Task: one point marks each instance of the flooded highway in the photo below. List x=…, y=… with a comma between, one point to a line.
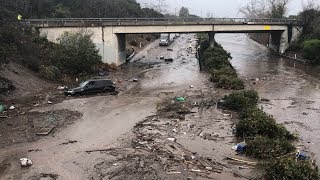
x=107, y=121
x=291, y=86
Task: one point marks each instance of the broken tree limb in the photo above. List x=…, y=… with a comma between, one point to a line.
x=240, y=160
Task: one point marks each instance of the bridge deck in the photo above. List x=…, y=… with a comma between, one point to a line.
x=89, y=22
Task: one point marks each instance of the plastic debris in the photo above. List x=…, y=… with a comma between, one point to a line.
x=1, y=108
x=25, y=162
x=191, y=86
x=168, y=60
x=181, y=99
x=62, y=88
x=12, y=107
x=239, y=147
x=49, y=102
x=301, y=155
x=171, y=139
x=135, y=80
x=190, y=125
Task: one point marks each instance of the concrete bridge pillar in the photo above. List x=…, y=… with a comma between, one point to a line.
x=280, y=41
x=111, y=46
x=114, y=47
x=211, y=39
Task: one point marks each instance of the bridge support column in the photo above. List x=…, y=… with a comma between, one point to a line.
x=211, y=39
x=279, y=41
x=114, y=47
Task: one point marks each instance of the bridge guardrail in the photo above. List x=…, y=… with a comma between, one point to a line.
x=156, y=21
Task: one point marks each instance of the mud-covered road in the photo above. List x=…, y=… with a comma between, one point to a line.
x=109, y=123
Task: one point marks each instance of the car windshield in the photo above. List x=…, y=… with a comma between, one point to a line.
x=83, y=84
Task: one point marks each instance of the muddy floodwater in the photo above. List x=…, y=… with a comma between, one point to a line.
x=109, y=123
x=292, y=87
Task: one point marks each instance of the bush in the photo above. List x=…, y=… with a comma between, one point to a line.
x=311, y=51
x=240, y=100
x=76, y=54
x=217, y=74
x=215, y=58
x=259, y=123
x=50, y=72
x=230, y=82
x=265, y=148
x=5, y=85
x=290, y=168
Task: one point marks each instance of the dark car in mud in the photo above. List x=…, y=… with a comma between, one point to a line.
x=92, y=87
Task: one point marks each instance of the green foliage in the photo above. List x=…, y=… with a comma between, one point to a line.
x=216, y=61
x=230, y=82
x=259, y=123
x=76, y=9
x=311, y=51
x=227, y=78
x=184, y=12
x=241, y=100
x=76, y=54
x=290, y=168
x=217, y=74
x=216, y=58
x=310, y=19
x=265, y=148
x=60, y=11
x=50, y=72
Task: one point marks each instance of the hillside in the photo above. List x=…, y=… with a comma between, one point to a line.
x=22, y=47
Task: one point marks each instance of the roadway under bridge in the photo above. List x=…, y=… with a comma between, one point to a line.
x=109, y=34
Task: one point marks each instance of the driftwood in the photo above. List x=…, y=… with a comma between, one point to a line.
x=240, y=160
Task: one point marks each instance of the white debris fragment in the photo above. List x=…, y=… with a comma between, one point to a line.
x=171, y=139
x=25, y=162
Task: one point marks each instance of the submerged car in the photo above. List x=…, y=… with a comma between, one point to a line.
x=92, y=87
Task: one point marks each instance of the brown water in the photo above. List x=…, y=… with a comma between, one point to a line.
x=108, y=118
x=292, y=87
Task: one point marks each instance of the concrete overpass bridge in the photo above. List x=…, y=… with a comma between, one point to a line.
x=109, y=33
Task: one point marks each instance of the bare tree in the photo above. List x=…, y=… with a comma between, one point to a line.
x=310, y=4
x=265, y=9
x=255, y=9
x=278, y=8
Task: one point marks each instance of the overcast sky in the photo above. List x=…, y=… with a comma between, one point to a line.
x=220, y=8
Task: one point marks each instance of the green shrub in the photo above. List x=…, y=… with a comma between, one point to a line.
x=230, y=82
x=259, y=123
x=241, y=100
x=290, y=169
x=266, y=148
x=76, y=54
x=50, y=72
x=311, y=51
x=215, y=58
x=217, y=74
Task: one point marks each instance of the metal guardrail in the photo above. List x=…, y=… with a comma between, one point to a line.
x=156, y=21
